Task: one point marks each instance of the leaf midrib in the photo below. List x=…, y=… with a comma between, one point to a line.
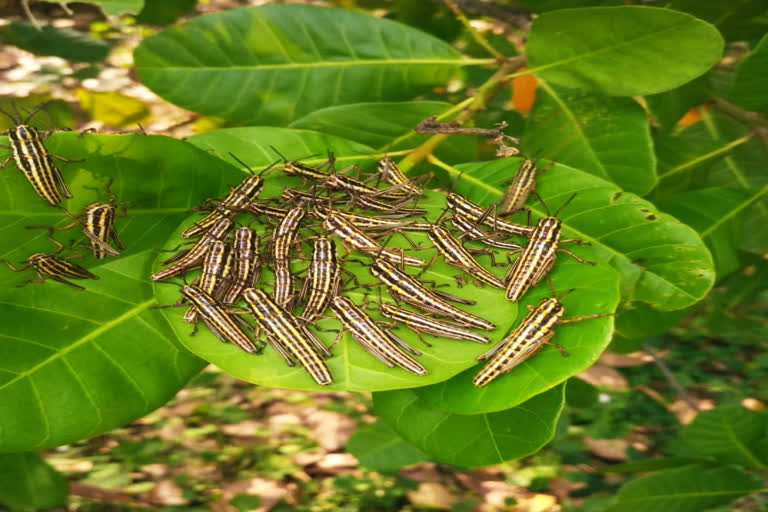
x=320, y=64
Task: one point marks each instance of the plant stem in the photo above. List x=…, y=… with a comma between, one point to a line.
x=671, y=378
x=477, y=36
x=477, y=102
x=707, y=156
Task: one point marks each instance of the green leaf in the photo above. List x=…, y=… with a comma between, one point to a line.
x=48, y=40
x=607, y=137
x=750, y=84
x=165, y=12
x=379, y=448
x=110, y=7
x=472, y=440
x=28, y=483
x=640, y=321
x=738, y=20
x=716, y=214
x=621, y=51
x=388, y=126
x=661, y=261
x=74, y=364
x=352, y=367
x=579, y=393
x=595, y=292
x=112, y=108
x=727, y=434
x=277, y=63
x=721, y=152
x=687, y=489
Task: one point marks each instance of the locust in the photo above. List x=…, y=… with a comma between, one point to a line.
x=33, y=159
x=456, y=255
x=246, y=264
x=323, y=279
x=365, y=222
x=212, y=278
x=470, y=229
x=238, y=200
x=391, y=173
x=288, y=336
x=379, y=342
x=284, y=234
x=52, y=266
x=405, y=288
x=275, y=212
x=356, y=239
x=192, y=257
x=462, y=206
x=421, y=323
x=534, y=331
x=218, y=320
x=283, y=291
x=519, y=189
x=391, y=209
x=538, y=257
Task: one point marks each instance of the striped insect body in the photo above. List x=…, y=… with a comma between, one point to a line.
x=238, y=200
x=323, y=279
x=455, y=254
x=246, y=264
x=421, y=323
x=193, y=257
x=288, y=336
x=462, y=206
x=211, y=280
x=392, y=174
x=379, y=342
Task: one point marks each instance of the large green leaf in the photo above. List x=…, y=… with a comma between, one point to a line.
x=378, y=447
x=669, y=107
x=472, y=440
x=687, y=489
x=716, y=214
x=387, y=126
x=728, y=434
x=596, y=291
x=751, y=82
x=661, y=261
x=75, y=364
x=607, y=137
x=28, y=483
x=67, y=44
x=621, y=51
x=720, y=152
x=274, y=64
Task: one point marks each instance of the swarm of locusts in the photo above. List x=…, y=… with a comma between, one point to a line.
x=96, y=221
x=243, y=234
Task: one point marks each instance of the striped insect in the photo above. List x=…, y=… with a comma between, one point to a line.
x=284, y=291
x=274, y=212
x=238, y=200
x=246, y=264
x=421, y=323
x=282, y=239
x=519, y=189
x=462, y=206
x=534, y=331
x=54, y=267
x=406, y=288
x=193, y=257
x=365, y=222
x=323, y=279
x=97, y=221
x=456, y=255
x=352, y=237
x=391, y=173
x=33, y=159
x=396, y=208
x=212, y=280
x=471, y=230
x=538, y=257
x=218, y=320
x=288, y=336
x=379, y=342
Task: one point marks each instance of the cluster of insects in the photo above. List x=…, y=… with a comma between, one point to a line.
x=96, y=221
x=279, y=256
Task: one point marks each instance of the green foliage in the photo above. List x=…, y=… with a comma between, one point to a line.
x=67, y=44
x=474, y=439
x=687, y=489
x=378, y=447
x=110, y=7
x=274, y=64
x=619, y=51
x=28, y=483
x=750, y=82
